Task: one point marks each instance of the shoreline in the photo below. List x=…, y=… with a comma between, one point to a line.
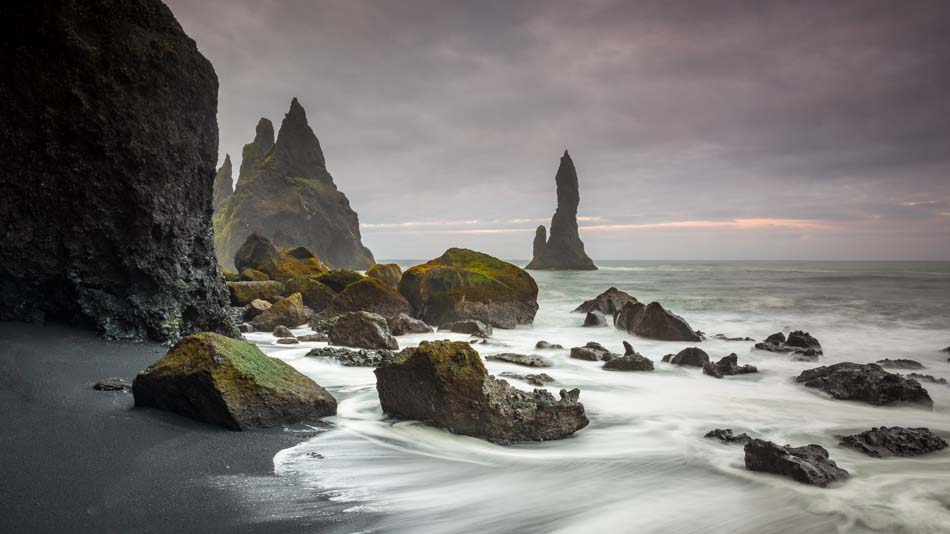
x=80, y=460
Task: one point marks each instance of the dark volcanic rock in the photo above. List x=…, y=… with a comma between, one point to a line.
x=726, y=366
x=928, y=378
x=592, y=352
x=388, y=273
x=255, y=308
x=629, y=362
x=288, y=195
x=564, y=249
x=464, y=284
x=806, y=347
x=895, y=441
x=364, y=330
x=230, y=383
x=654, y=322
x=254, y=151
x=223, y=184
x=867, y=383
x=109, y=144
x=539, y=379
x=725, y=435
x=608, y=303
x=545, y=345
x=692, y=356
x=258, y=253
x=528, y=360
x=900, y=363
x=113, y=384
x=352, y=358
x=445, y=383
x=471, y=327
x=595, y=318
x=777, y=338
x=402, y=324
x=803, y=341
x=809, y=464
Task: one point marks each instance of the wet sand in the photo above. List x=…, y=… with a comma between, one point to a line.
x=79, y=460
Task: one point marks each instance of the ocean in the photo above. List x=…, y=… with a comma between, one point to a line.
x=642, y=465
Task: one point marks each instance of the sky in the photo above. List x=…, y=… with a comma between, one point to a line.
x=807, y=130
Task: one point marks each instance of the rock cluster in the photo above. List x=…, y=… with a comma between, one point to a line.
x=446, y=384
x=725, y=435
x=564, y=249
x=895, y=441
x=727, y=366
x=866, y=383
x=285, y=192
x=109, y=144
x=805, y=347
x=230, y=383
x=809, y=464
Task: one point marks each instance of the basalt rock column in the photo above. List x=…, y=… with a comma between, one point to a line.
x=564, y=250
x=223, y=186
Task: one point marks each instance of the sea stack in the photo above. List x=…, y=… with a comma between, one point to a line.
x=110, y=138
x=285, y=193
x=223, y=185
x=564, y=250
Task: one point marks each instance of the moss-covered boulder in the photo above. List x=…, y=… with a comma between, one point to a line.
x=231, y=383
x=229, y=275
x=388, y=273
x=362, y=330
x=257, y=252
x=445, y=383
x=315, y=295
x=371, y=295
x=464, y=284
x=242, y=293
x=259, y=255
x=338, y=279
x=288, y=312
x=253, y=275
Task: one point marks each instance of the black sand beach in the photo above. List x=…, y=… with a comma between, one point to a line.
x=79, y=460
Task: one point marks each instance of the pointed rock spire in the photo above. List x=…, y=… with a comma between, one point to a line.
x=223, y=184
x=254, y=151
x=564, y=250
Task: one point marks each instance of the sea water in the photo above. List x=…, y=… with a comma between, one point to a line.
x=642, y=465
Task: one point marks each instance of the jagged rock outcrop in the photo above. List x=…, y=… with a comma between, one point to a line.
x=259, y=254
x=725, y=435
x=865, y=382
x=109, y=143
x=654, y=322
x=527, y=360
x=630, y=361
x=223, y=184
x=445, y=383
x=253, y=152
x=564, y=250
x=809, y=464
x=608, y=303
x=881, y=442
x=728, y=366
x=230, y=383
x=287, y=195
x=350, y=357
x=464, y=284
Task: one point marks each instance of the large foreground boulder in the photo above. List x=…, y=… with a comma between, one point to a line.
x=608, y=303
x=866, y=383
x=809, y=464
x=230, y=383
x=653, y=322
x=109, y=144
x=464, y=284
x=445, y=383
x=895, y=441
x=363, y=330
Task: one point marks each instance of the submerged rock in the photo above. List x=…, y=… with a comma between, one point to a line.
x=545, y=345
x=723, y=337
x=388, y=273
x=113, y=384
x=287, y=341
x=287, y=311
x=692, y=356
x=463, y=284
x=230, y=383
x=654, y=322
x=446, y=384
x=725, y=435
x=809, y=464
x=471, y=327
x=352, y=358
x=403, y=324
x=110, y=140
x=564, y=250
x=608, y=303
x=528, y=360
x=900, y=363
x=364, y=330
x=595, y=318
x=866, y=383
x=895, y=441
x=539, y=379
x=287, y=195
x=727, y=366
x=928, y=378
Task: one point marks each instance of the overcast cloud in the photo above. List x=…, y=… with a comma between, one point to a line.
x=700, y=130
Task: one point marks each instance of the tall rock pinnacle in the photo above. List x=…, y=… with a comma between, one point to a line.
x=223, y=185
x=286, y=194
x=564, y=249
